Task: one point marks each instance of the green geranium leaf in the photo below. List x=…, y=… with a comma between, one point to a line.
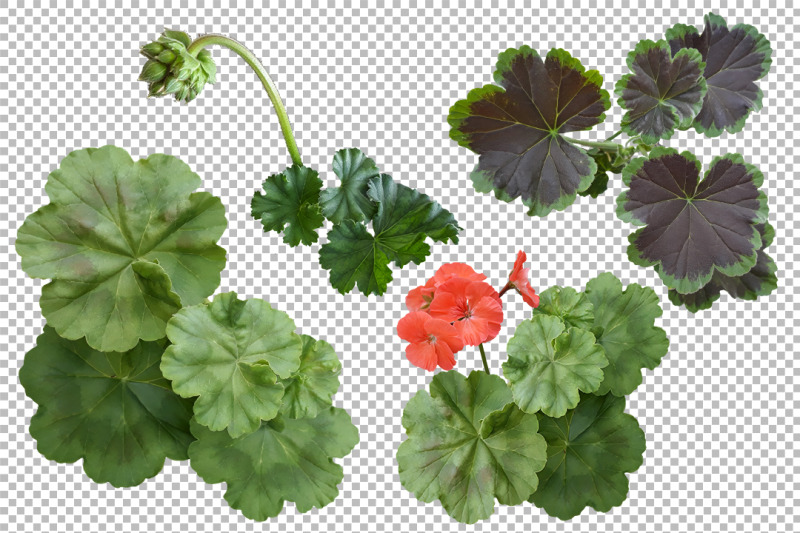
x=686, y=217
x=662, y=92
x=516, y=126
x=230, y=354
x=469, y=444
x=310, y=388
x=599, y=185
x=629, y=337
x=571, y=306
x=758, y=281
x=113, y=410
x=291, y=200
x=403, y=220
x=734, y=59
x=589, y=450
x=547, y=366
x=125, y=244
x=284, y=459
x=349, y=201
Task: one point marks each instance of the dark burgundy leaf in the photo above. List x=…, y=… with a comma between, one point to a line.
x=516, y=128
x=693, y=228
x=735, y=59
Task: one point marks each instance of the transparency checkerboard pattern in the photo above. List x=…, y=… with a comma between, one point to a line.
x=719, y=413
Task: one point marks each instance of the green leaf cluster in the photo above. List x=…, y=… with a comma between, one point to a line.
x=401, y=220
x=135, y=366
x=556, y=433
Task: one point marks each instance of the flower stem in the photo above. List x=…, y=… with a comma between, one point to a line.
x=613, y=136
x=237, y=47
x=504, y=290
x=483, y=356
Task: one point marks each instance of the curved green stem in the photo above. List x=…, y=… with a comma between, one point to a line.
x=614, y=136
x=483, y=356
x=237, y=47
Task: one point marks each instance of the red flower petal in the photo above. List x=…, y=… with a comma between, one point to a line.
x=444, y=333
x=411, y=327
x=419, y=299
x=445, y=356
x=519, y=280
x=454, y=270
x=423, y=355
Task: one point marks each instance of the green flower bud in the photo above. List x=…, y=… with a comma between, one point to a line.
x=171, y=69
x=152, y=50
x=166, y=57
x=153, y=71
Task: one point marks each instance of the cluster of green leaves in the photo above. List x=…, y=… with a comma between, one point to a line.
x=556, y=433
x=706, y=81
x=402, y=219
x=135, y=365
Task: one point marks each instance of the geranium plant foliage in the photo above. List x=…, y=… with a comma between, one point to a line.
x=705, y=80
x=554, y=432
x=136, y=365
x=376, y=221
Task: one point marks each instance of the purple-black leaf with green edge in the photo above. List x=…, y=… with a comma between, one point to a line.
x=662, y=93
x=758, y=281
x=404, y=219
x=735, y=59
x=125, y=244
x=589, y=451
x=516, y=126
x=113, y=410
x=693, y=228
x=290, y=204
x=349, y=201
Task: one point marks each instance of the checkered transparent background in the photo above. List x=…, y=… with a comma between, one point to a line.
x=719, y=413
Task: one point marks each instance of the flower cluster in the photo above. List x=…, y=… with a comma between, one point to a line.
x=457, y=308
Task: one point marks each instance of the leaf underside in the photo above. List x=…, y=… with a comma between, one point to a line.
x=735, y=59
x=589, y=451
x=125, y=243
x=468, y=444
x=113, y=410
x=693, y=228
x=516, y=128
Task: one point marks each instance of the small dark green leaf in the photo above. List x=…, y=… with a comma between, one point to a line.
x=353, y=258
x=349, y=201
x=291, y=200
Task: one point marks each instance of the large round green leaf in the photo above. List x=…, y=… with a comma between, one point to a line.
x=113, y=410
x=125, y=243
x=625, y=325
x=589, y=450
x=284, y=459
x=571, y=306
x=469, y=444
x=310, y=389
x=230, y=354
x=548, y=366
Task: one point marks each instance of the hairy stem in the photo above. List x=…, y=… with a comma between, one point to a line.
x=605, y=146
x=483, y=356
x=237, y=47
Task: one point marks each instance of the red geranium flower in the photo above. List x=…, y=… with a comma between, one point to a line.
x=518, y=279
x=419, y=299
x=473, y=307
x=433, y=341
